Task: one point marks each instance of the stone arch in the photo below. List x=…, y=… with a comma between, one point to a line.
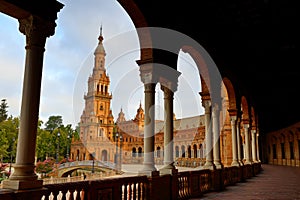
x=176, y=151
x=253, y=119
x=291, y=136
x=202, y=67
x=229, y=109
x=230, y=93
x=183, y=151
x=210, y=76
x=245, y=110
x=189, y=151
x=195, y=150
x=158, y=151
x=133, y=152
x=140, y=152
x=104, y=155
x=139, y=21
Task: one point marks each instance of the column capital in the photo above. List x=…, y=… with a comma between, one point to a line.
x=215, y=107
x=36, y=30
x=233, y=112
x=205, y=96
x=168, y=93
x=147, y=71
x=206, y=104
x=233, y=118
x=168, y=76
x=246, y=121
x=149, y=87
x=246, y=125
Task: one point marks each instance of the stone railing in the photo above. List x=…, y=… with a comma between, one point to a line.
x=183, y=185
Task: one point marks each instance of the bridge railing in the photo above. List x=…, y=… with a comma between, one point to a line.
x=96, y=163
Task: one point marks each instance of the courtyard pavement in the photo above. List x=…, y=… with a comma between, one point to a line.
x=273, y=183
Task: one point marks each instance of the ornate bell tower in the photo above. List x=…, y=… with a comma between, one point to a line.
x=96, y=122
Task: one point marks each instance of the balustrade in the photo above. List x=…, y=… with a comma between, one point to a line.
x=183, y=185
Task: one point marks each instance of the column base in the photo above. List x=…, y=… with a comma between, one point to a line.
x=248, y=162
x=218, y=165
x=209, y=165
x=235, y=163
x=21, y=184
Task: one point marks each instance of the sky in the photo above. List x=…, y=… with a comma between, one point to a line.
x=68, y=62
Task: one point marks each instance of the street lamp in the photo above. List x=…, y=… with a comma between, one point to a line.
x=120, y=155
x=57, y=150
x=68, y=138
x=116, y=155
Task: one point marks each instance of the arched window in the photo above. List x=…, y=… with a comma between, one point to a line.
x=176, y=151
x=134, y=152
x=158, y=152
x=77, y=154
x=104, y=155
x=189, y=151
x=140, y=153
x=183, y=151
x=195, y=150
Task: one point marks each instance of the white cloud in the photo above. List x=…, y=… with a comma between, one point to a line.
x=68, y=62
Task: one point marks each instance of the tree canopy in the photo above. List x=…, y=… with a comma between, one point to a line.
x=3, y=110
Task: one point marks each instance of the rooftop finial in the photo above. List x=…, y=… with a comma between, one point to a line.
x=100, y=38
x=101, y=30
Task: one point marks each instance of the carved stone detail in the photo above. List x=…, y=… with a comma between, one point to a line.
x=168, y=93
x=36, y=30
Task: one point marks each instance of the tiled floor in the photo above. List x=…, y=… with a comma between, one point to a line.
x=273, y=183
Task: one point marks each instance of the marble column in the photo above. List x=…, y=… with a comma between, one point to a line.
x=234, y=141
x=247, y=144
x=208, y=136
x=253, y=141
x=216, y=136
x=238, y=142
x=149, y=130
x=36, y=31
x=257, y=147
x=168, y=167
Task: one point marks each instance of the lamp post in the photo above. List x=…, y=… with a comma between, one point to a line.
x=57, y=150
x=68, y=142
x=120, y=155
x=116, y=155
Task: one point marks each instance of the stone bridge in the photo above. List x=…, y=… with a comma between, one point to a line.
x=69, y=167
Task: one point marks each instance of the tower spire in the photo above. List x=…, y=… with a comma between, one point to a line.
x=100, y=38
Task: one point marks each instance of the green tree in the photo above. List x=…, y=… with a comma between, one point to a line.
x=53, y=123
x=48, y=141
x=8, y=138
x=45, y=145
x=3, y=110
